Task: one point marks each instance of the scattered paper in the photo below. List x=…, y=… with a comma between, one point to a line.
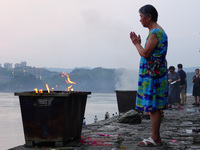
x=173, y=82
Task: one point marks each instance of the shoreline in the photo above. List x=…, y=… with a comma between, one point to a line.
x=180, y=129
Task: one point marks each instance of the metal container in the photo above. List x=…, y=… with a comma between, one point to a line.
x=126, y=100
x=52, y=118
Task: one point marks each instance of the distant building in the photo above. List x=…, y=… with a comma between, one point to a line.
x=8, y=65
x=23, y=64
x=17, y=65
x=0, y=66
x=20, y=65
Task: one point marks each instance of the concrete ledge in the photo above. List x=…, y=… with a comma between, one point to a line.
x=177, y=132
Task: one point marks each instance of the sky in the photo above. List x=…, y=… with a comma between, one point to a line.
x=93, y=33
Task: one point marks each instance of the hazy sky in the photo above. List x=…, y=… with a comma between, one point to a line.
x=93, y=33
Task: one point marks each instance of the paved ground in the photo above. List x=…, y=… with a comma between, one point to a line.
x=180, y=130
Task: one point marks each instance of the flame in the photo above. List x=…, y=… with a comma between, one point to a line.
x=36, y=90
x=47, y=88
x=69, y=88
x=68, y=81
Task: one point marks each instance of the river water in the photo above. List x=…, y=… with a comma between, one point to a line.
x=11, y=128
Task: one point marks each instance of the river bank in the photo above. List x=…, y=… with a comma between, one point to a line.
x=180, y=129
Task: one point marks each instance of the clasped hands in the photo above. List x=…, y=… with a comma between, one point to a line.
x=135, y=38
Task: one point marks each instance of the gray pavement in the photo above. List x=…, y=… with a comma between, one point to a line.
x=180, y=130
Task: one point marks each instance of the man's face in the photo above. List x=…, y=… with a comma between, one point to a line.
x=197, y=72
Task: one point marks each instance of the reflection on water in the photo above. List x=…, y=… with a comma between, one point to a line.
x=11, y=129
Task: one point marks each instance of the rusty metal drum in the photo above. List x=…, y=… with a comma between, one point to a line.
x=52, y=118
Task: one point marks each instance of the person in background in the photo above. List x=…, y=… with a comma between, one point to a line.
x=95, y=119
x=116, y=114
x=152, y=92
x=183, y=81
x=107, y=115
x=84, y=121
x=196, y=87
x=174, y=87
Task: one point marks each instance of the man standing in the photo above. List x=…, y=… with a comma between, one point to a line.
x=183, y=82
x=95, y=119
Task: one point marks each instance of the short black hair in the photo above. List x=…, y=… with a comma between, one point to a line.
x=171, y=68
x=180, y=66
x=149, y=10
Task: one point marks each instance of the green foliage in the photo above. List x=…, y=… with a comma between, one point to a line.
x=19, y=81
x=97, y=79
x=94, y=80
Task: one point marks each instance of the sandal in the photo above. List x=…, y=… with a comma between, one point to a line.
x=148, y=143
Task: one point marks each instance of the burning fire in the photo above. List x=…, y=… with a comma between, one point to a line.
x=67, y=80
x=47, y=88
x=36, y=90
x=40, y=91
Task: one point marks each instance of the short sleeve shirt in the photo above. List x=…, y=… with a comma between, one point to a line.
x=182, y=75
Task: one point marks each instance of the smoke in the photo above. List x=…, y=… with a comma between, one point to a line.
x=126, y=79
